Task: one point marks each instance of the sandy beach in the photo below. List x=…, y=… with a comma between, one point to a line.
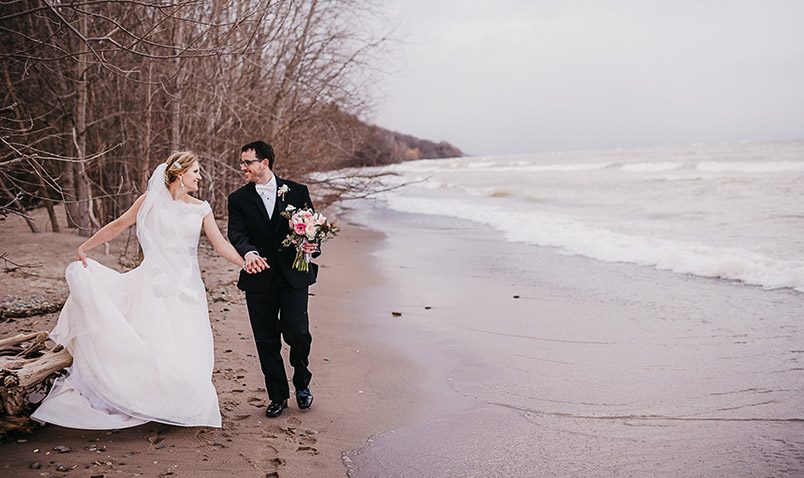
x=441, y=351
x=569, y=243
x=362, y=386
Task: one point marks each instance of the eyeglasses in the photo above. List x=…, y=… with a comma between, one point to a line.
x=249, y=162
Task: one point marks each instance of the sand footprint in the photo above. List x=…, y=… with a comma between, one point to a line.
x=264, y=459
x=291, y=425
x=304, y=440
x=256, y=402
x=292, y=422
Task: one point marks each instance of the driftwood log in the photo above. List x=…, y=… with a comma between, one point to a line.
x=39, y=306
x=26, y=366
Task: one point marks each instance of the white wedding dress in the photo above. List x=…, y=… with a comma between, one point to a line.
x=141, y=341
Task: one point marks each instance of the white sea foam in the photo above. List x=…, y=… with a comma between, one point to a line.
x=572, y=167
x=576, y=237
x=653, y=167
x=710, y=210
x=490, y=166
x=751, y=167
x=479, y=164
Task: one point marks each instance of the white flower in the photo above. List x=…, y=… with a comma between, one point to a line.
x=282, y=191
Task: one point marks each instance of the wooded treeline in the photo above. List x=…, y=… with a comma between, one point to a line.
x=380, y=146
x=97, y=92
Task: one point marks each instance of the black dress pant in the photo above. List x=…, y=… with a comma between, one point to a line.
x=281, y=313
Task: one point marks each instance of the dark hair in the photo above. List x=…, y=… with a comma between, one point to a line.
x=262, y=150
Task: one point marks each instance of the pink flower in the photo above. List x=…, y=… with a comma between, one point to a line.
x=300, y=228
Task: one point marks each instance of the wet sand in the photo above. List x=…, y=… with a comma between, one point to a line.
x=541, y=364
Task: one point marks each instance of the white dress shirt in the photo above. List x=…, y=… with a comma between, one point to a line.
x=267, y=192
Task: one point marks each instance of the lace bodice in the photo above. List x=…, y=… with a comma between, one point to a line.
x=186, y=220
x=173, y=261
x=168, y=231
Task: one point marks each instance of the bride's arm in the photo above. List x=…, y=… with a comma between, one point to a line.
x=110, y=231
x=221, y=245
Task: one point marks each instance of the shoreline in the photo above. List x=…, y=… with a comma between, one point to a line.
x=439, y=350
x=568, y=365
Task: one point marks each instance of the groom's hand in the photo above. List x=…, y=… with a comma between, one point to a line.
x=255, y=263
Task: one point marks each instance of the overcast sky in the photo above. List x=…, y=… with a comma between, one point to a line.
x=520, y=76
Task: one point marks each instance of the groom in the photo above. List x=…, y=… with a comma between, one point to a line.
x=276, y=294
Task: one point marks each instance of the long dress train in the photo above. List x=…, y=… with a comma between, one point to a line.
x=141, y=341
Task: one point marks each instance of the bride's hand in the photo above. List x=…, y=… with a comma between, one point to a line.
x=82, y=256
x=254, y=263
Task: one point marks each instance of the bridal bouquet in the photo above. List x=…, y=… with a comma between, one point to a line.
x=306, y=226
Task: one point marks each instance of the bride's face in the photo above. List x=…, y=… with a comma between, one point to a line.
x=191, y=178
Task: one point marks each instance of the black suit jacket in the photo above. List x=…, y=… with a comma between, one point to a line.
x=251, y=229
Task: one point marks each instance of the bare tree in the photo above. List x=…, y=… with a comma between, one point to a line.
x=107, y=88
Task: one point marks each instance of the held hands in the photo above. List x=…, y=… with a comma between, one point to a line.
x=254, y=263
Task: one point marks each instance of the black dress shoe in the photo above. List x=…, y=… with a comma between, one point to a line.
x=276, y=407
x=304, y=398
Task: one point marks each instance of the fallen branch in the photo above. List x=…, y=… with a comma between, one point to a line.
x=26, y=366
x=14, y=345
x=14, y=266
x=16, y=310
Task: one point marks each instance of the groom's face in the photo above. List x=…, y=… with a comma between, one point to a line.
x=254, y=169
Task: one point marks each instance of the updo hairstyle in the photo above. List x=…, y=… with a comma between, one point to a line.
x=177, y=164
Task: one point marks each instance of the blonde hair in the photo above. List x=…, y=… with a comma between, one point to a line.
x=177, y=164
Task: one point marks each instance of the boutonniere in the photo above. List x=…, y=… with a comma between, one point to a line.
x=282, y=191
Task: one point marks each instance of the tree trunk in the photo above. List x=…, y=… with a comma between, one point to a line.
x=80, y=138
x=68, y=194
x=146, y=137
x=51, y=211
x=175, y=112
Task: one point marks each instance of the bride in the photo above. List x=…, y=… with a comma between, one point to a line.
x=141, y=341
